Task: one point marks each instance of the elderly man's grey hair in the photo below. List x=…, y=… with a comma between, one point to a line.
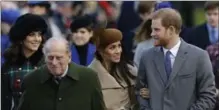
x=52, y=40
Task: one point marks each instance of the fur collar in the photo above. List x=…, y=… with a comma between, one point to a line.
x=34, y=59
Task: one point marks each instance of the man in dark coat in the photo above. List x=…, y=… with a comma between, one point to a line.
x=208, y=33
x=60, y=84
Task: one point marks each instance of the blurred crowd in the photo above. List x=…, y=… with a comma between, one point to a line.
x=79, y=22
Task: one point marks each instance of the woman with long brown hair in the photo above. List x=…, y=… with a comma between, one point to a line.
x=116, y=73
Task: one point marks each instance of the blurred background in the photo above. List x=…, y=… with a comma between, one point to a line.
x=132, y=18
x=124, y=15
x=112, y=11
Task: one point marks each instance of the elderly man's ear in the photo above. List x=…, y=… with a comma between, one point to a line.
x=144, y=92
x=69, y=57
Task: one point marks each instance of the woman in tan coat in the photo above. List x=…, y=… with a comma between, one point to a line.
x=116, y=74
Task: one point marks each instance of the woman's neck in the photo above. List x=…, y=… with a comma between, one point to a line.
x=27, y=53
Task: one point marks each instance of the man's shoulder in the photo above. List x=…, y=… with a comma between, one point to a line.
x=195, y=51
x=83, y=71
x=34, y=76
x=35, y=73
x=150, y=52
x=200, y=27
x=86, y=75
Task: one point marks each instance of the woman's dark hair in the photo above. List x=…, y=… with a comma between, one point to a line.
x=122, y=68
x=12, y=53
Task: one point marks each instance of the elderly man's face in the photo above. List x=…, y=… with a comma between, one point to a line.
x=57, y=58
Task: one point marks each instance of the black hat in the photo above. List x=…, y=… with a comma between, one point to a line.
x=26, y=24
x=80, y=22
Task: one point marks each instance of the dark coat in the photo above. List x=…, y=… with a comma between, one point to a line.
x=79, y=90
x=12, y=71
x=199, y=36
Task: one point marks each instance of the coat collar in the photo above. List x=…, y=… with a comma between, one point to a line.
x=34, y=59
x=107, y=81
x=72, y=72
x=90, y=54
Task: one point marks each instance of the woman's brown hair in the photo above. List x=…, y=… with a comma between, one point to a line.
x=120, y=71
x=144, y=32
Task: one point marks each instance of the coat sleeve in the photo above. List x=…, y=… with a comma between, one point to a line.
x=97, y=102
x=206, y=90
x=142, y=83
x=23, y=103
x=6, y=92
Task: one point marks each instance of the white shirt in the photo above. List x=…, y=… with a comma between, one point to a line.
x=66, y=70
x=64, y=74
x=173, y=51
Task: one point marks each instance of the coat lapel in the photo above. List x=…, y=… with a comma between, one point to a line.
x=90, y=54
x=179, y=61
x=107, y=81
x=159, y=63
x=74, y=55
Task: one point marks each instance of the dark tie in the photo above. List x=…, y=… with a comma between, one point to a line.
x=57, y=79
x=167, y=63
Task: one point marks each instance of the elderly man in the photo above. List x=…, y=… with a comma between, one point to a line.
x=61, y=85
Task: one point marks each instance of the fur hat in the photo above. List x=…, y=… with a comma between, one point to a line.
x=26, y=24
x=103, y=37
x=81, y=22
